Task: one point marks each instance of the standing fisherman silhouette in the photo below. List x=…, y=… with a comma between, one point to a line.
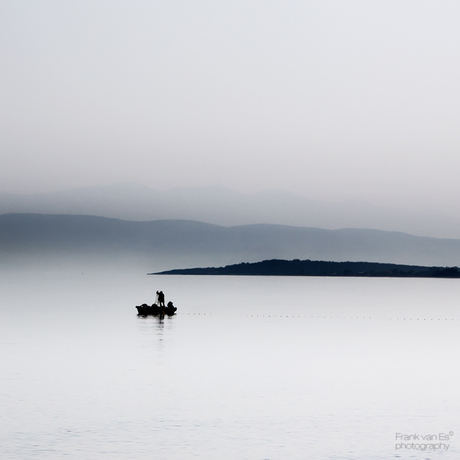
x=161, y=299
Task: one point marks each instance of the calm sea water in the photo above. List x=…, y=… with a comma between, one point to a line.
x=250, y=367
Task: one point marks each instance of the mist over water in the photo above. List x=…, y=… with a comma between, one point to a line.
x=250, y=367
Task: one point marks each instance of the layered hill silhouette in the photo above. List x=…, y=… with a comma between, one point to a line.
x=220, y=206
x=167, y=244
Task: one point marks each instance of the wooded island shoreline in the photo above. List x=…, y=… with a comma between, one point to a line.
x=296, y=267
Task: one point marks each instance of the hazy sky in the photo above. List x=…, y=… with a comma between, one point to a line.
x=329, y=99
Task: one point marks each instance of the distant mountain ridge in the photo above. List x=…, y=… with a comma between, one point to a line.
x=165, y=244
x=220, y=206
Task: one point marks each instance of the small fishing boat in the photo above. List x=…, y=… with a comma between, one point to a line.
x=155, y=309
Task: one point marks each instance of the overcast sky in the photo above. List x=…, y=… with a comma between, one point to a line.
x=329, y=99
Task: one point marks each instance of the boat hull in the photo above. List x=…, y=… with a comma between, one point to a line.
x=155, y=310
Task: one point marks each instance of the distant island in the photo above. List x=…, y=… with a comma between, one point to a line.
x=296, y=267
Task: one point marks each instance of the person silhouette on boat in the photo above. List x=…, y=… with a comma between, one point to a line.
x=161, y=299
